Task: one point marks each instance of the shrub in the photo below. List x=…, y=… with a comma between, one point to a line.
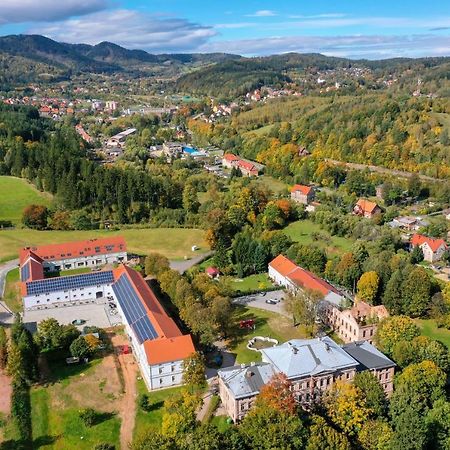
x=88, y=416
x=105, y=446
x=144, y=403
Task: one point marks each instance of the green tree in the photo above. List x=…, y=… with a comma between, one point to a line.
x=80, y=348
x=324, y=437
x=372, y=392
x=29, y=353
x=89, y=416
x=190, y=198
x=393, y=297
x=438, y=423
x=194, y=370
x=368, y=287
x=376, y=435
x=393, y=330
x=156, y=264
x=303, y=305
x=16, y=367
x=417, y=291
x=3, y=348
x=281, y=430
x=416, y=255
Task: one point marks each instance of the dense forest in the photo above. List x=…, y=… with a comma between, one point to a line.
x=398, y=133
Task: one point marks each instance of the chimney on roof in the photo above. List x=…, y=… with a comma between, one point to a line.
x=295, y=350
x=249, y=374
x=327, y=347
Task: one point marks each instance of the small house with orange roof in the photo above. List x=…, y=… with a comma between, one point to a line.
x=302, y=194
x=366, y=208
x=433, y=249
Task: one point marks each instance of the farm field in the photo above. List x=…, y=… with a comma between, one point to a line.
x=175, y=243
x=268, y=324
x=16, y=194
x=430, y=329
x=302, y=232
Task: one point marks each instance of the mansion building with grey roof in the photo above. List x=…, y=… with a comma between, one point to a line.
x=311, y=365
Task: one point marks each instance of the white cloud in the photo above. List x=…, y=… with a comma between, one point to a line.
x=131, y=29
x=371, y=47
x=263, y=13
x=19, y=11
x=235, y=25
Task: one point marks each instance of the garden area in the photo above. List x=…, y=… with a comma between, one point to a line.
x=430, y=329
x=12, y=296
x=252, y=283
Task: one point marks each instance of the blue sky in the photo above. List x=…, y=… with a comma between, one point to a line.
x=350, y=28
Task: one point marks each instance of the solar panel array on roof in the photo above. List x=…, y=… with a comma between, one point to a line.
x=70, y=282
x=134, y=310
x=25, y=272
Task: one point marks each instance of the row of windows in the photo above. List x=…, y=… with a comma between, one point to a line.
x=161, y=380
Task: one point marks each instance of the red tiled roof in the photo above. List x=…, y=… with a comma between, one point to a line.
x=366, y=205
x=230, y=157
x=434, y=244
x=212, y=271
x=302, y=188
x=307, y=280
x=159, y=351
x=68, y=250
x=246, y=165
x=282, y=265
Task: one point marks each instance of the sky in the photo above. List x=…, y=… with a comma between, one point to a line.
x=372, y=29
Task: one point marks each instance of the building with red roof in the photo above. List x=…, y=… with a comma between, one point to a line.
x=159, y=346
x=366, y=208
x=248, y=168
x=302, y=194
x=73, y=255
x=433, y=249
x=286, y=273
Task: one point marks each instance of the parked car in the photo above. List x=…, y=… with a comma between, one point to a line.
x=78, y=322
x=271, y=301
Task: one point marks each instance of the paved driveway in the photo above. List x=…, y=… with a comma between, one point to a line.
x=184, y=265
x=94, y=314
x=260, y=301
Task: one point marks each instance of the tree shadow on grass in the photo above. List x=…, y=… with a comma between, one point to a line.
x=101, y=417
x=42, y=441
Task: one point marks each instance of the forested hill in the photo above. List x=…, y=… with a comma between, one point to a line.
x=230, y=78
x=25, y=58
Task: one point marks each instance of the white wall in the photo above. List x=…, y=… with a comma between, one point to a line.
x=66, y=298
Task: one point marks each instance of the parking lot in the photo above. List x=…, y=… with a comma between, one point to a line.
x=94, y=314
x=263, y=301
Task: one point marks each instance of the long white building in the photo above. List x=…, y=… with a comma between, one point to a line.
x=158, y=345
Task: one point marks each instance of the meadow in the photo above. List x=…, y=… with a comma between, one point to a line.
x=15, y=195
x=175, y=243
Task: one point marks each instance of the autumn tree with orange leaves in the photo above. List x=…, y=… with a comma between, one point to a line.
x=277, y=394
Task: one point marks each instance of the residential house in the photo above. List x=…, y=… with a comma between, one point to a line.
x=248, y=168
x=119, y=139
x=432, y=249
x=312, y=366
x=358, y=323
x=302, y=194
x=366, y=208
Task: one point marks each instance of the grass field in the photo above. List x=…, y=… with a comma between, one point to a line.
x=12, y=296
x=430, y=329
x=302, y=231
x=16, y=194
x=251, y=283
x=153, y=418
x=276, y=186
x=55, y=407
x=175, y=243
x=268, y=324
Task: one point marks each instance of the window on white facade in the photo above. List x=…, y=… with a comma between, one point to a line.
x=160, y=381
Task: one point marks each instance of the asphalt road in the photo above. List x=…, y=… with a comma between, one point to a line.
x=260, y=301
x=184, y=265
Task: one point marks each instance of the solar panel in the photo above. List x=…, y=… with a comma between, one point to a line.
x=25, y=272
x=133, y=309
x=70, y=282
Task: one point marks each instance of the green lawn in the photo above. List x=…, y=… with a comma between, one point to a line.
x=175, y=243
x=16, y=194
x=152, y=419
x=256, y=282
x=221, y=422
x=55, y=407
x=430, y=329
x=302, y=231
x=276, y=186
x=12, y=296
x=268, y=324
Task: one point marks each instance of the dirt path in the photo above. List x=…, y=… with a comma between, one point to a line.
x=127, y=411
x=5, y=393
